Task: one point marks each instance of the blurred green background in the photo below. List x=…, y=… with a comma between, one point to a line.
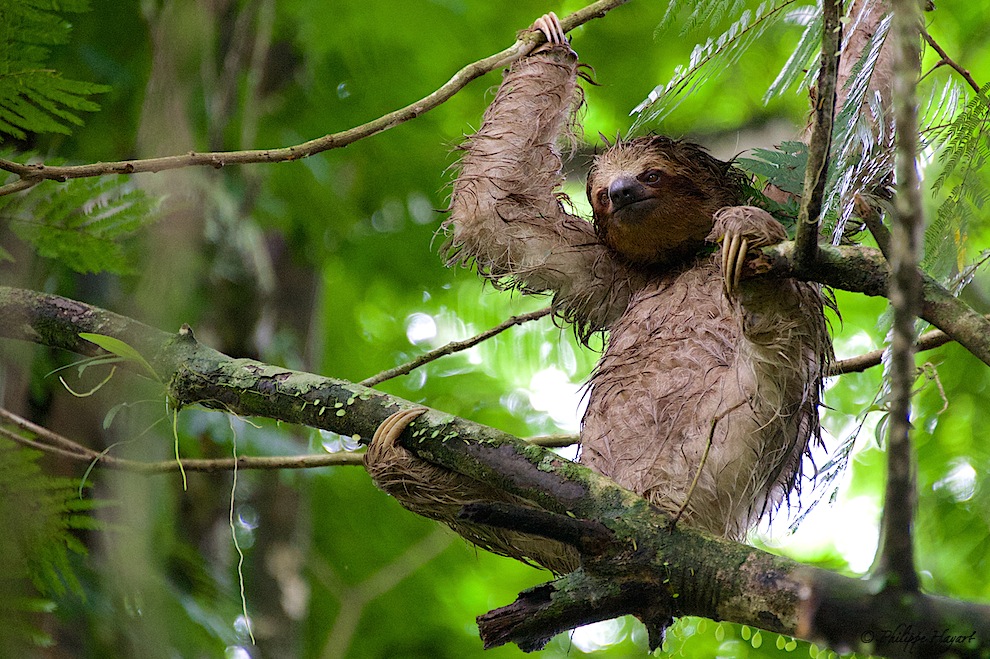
x=330, y=265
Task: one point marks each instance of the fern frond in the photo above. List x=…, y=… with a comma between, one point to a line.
x=963, y=150
x=34, y=98
x=862, y=144
x=783, y=167
x=86, y=224
x=39, y=515
x=706, y=59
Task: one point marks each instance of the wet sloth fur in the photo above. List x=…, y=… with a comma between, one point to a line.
x=710, y=377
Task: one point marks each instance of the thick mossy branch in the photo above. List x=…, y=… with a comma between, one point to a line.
x=865, y=270
x=195, y=374
x=640, y=565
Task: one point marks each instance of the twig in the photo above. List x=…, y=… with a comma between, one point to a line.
x=871, y=216
x=18, y=185
x=452, y=347
x=859, y=363
x=806, y=239
x=895, y=556
x=948, y=61
x=38, y=172
x=51, y=442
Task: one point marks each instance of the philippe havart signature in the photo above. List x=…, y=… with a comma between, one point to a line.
x=909, y=636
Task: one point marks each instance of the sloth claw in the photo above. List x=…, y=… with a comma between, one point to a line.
x=734, y=248
x=392, y=427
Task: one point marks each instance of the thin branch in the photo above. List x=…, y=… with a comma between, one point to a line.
x=18, y=186
x=860, y=363
x=895, y=556
x=38, y=172
x=452, y=347
x=806, y=239
x=873, y=219
x=53, y=443
x=948, y=61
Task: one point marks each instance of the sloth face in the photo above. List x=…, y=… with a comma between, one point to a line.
x=653, y=198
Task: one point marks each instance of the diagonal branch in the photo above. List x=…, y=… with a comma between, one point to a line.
x=454, y=346
x=33, y=173
x=820, y=143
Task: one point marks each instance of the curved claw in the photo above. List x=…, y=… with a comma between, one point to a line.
x=392, y=427
x=551, y=28
x=734, y=249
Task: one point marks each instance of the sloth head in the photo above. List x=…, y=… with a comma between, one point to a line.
x=653, y=197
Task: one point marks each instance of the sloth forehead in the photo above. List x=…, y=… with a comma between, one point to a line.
x=630, y=160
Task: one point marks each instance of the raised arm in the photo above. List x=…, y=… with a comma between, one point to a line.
x=506, y=211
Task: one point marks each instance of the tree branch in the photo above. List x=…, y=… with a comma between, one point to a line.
x=33, y=173
x=927, y=341
x=820, y=143
x=948, y=61
x=454, y=346
x=641, y=562
x=865, y=270
x=895, y=555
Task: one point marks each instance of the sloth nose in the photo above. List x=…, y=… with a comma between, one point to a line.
x=625, y=190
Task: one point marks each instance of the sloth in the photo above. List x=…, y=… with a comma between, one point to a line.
x=706, y=396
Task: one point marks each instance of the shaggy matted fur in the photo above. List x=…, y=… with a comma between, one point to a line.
x=707, y=382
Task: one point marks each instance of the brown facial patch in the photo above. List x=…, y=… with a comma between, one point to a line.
x=670, y=213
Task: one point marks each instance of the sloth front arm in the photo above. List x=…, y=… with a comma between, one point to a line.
x=507, y=213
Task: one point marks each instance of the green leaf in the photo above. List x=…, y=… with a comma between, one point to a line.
x=119, y=348
x=783, y=167
x=39, y=514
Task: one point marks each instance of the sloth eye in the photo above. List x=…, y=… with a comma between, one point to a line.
x=603, y=198
x=652, y=176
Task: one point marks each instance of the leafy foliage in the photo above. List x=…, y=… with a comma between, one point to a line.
x=712, y=56
x=354, y=273
x=39, y=515
x=86, y=224
x=801, y=67
x=783, y=166
x=33, y=98
x=963, y=147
